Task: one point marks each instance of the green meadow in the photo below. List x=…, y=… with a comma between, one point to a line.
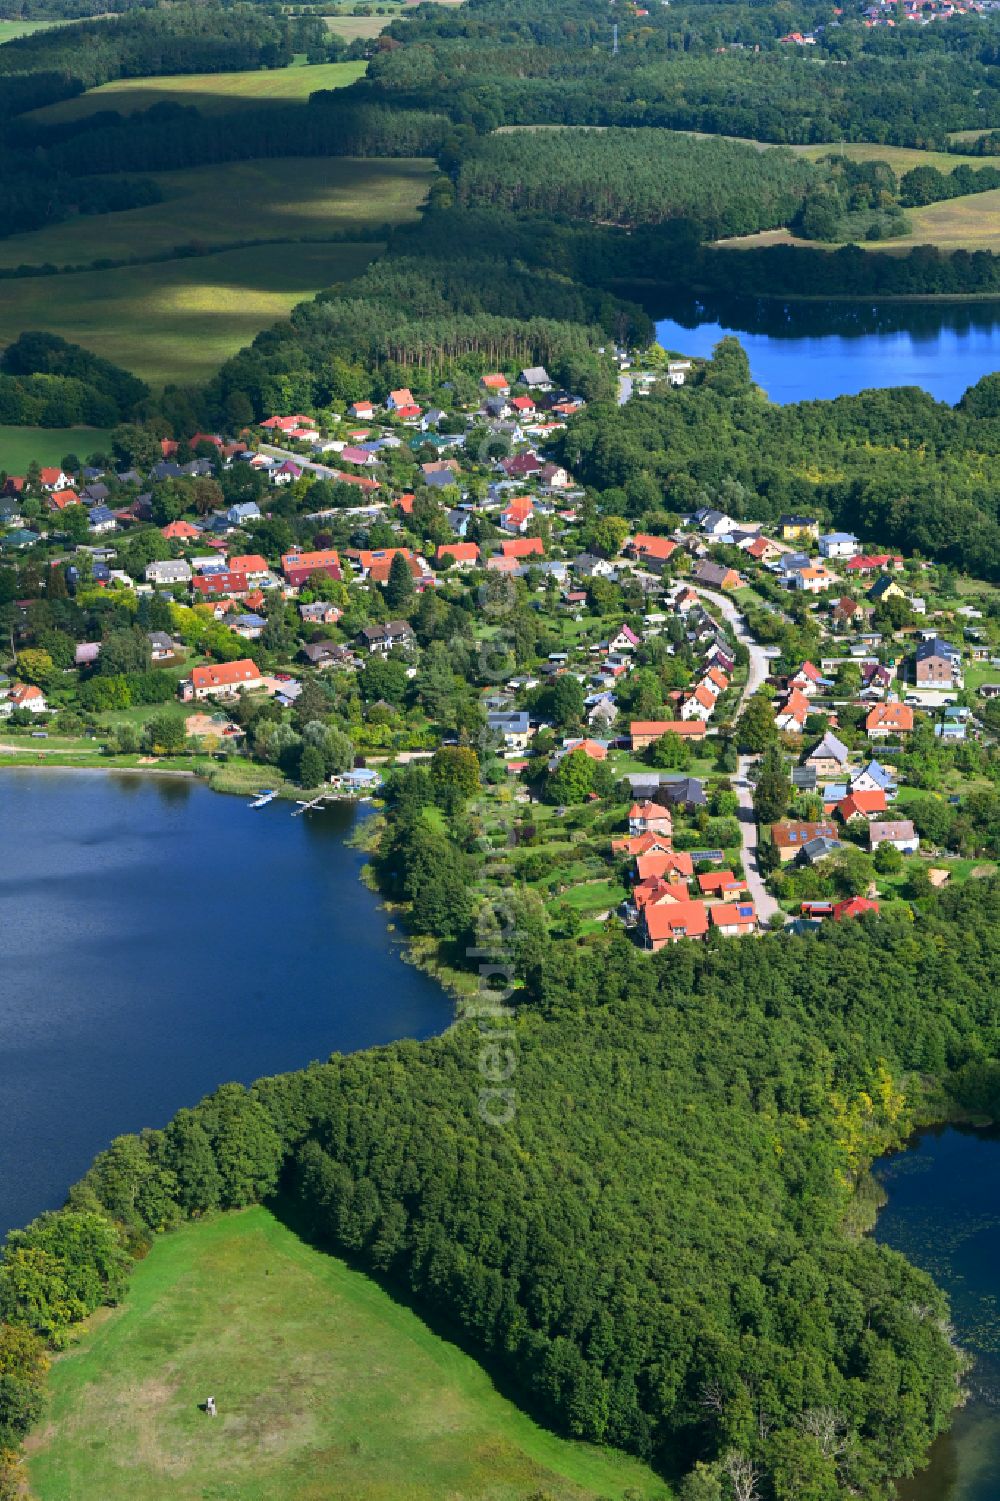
x=325, y=1387
x=48, y=445
x=211, y=93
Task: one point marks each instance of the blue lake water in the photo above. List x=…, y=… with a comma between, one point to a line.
x=157, y=939
x=943, y=1213
x=808, y=351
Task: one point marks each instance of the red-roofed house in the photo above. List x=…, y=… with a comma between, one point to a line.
x=675, y=864
x=54, y=479
x=733, y=919
x=792, y=715
x=864, y=805
x=250, y=563
x=855, y=906
x=58, y=500
x=362, y=409
x=179, y=531
x=218, y=585
x=649, y=818
x=646, y=548
x=517, y=517
x=405, y=504
x=523, y=547
x=698, y=704
x=462, y=554
x=669, y=923
x=496, y=385
x=298, y=567
x=889, y=719
x=27, y=696
x=223, y=680
x=398, y=399
x=722, y=884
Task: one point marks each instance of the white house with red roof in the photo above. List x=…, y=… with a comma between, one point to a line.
x=222, y=680
x=518, y=515
x=27, y=696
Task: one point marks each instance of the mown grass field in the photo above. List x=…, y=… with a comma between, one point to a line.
x=11, y=29
x=284, y=198
x=968, y=223
x=177, y=320
x=325, y=1388
x=211, y=93
x=19, y=445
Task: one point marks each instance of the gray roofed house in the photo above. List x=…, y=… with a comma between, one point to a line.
x=536, y=378
x=899, y=832
x=829, y=756
x=804, y=778
x=687, y=793
x=382, y=638
x=819, y=849
x=160, y=644
x=246, y=510
x=169, y=571
x=87, y=653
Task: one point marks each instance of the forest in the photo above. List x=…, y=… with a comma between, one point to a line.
x=672, y=1274
x=631, y=177
x=893, y=465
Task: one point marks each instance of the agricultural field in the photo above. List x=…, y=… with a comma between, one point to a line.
x=351, y=28
x=287, y=198
x=968, y=223
x=211, y=93
x=48, y=445
x=177, y=321
x=900, y=158
x=325, y=1386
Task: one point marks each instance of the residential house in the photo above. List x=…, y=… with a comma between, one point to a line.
x=398, y=400
x=716, y=576
x=252, y=564
x=589, y=566
x=87, y=653
x=687, y=793
x=678, y=371
x=650, y=818
x=861, y=806
x=829, y=758
x=243, y=511
x=250, y=626
x=874, y=778
x=838, y=545
x=733, y=919
x=888, y=719
x=100, y=519
x=168, y=572
x=793, y=713
x=643, y=732
x=495, y=384
x=698, y=704
x=938, y=663
x=224, y=585
x=898, y=832
x=536, y=378
x=364, y=410
x=322, y=654
x=385, y=638
x=462, y=554
x=299, y=567
x=884, y=588
x=28, y=698
x=671, y=865
x=160, y=645
x=819, y=849
x=512, y=725
x=653, y=552
x=790, y=838
x=762, y=549
x=625, y=640
x=223, y=680
x=518, y=515
x=799, y=528
x=320, y=612
x=721, y=885
x=809, y=680
x=672, y=921
x=522, y=547
x=180, y=531
x=854, y=906
x=54, y=479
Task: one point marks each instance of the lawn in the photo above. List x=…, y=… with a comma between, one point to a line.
x=211, y=93
x=900, y=158
x=353, y=27
x=48, y=445
x=286, y=198
x=326, y=1387
x=971, y=222
x=11, y=29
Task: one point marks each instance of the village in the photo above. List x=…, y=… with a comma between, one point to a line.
x=700, y=726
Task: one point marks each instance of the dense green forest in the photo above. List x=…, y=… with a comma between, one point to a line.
x=637, y=177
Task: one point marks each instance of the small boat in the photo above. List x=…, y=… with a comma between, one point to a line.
x=263, y=798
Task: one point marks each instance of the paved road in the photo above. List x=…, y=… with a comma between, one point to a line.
x=624, y=389
x=757, y=673
x=759, y=663
x=762, y=899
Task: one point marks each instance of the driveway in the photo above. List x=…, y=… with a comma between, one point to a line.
x=624, y=389
x=762, y=899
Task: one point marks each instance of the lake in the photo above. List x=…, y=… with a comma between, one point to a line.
x=158, y=939
x=943, y=1213
x=805, y=351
